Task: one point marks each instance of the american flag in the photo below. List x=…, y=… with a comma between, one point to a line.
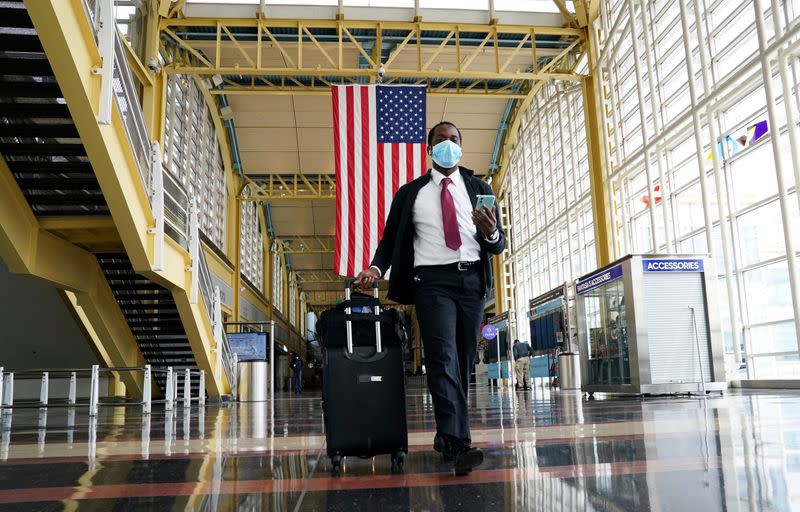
x=379, y=145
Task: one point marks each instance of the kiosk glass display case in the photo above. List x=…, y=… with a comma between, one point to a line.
x=609, y=361
x=650, y=325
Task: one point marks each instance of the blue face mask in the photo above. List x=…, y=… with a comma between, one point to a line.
x=446, y=154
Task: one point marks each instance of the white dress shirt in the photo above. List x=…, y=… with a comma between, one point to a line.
x=429, y=245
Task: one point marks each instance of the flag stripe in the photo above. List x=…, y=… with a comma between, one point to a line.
x=411, y=169
x=366, y=201
x=336, y=154
x=360, y=143
x=351, y=180
x=395, y=168
x=423, y=159
x=381, y=187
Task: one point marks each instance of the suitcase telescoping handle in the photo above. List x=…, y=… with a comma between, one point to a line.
x=348, y=285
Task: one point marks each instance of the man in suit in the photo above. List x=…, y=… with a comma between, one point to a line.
x=438, y=247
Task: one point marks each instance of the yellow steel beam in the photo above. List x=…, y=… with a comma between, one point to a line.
x=76, y=222
x=363, y=72
x=601, y=206
x=568, y=16
x=324, y=90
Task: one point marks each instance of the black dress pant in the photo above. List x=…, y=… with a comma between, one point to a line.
x=449, y=306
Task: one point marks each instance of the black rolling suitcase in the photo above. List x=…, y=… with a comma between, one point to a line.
x=363, y=390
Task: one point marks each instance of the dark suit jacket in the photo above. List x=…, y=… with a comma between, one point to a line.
x=396, y=248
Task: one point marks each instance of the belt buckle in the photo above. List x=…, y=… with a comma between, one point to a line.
x=465, y=266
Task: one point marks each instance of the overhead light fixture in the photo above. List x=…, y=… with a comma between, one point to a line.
x=226, y=113
x=217, y=80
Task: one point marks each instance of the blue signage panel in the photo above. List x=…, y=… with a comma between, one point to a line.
x=249, y=346
x=489, y=331
x=672, y=265
x=592, y=282
x=492, y=370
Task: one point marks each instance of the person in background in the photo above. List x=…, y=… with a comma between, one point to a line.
x=522, y=364
x=297, y=368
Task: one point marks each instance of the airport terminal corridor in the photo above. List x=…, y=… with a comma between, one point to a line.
x=400, y=255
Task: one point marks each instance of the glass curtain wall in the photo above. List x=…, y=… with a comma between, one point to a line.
x=277, y=280
x=548, y=199
x=192, y=154
x=251, y=244
x=700, y=110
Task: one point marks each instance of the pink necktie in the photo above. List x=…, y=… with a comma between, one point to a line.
x=452, y=237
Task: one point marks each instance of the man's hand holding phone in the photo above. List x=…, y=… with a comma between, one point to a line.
x=484, y=215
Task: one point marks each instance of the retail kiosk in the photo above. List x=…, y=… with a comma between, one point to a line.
x=650, y=325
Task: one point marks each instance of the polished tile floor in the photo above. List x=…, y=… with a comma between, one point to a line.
x=545, y=451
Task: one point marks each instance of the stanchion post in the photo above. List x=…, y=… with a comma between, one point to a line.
x=272, y=366
x=8, y=397
x=168, y=393
x=187, y=387
x=73, y=388
x=201, y=394
x=45, y=389
x=147, y=391
x=94, y=391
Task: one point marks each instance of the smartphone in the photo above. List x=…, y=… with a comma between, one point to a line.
x=487, y=201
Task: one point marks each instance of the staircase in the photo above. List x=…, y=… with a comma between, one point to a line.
x=37, y=136
x=46, y=157
x=153, y=319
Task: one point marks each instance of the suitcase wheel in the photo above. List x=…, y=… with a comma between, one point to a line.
x=336, y=465
x=398, y=462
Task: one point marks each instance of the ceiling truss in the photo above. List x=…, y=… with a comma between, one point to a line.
x=303, y=245
x=480, y=60
x=287, y=187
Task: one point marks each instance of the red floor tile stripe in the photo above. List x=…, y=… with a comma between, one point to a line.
x=347, y=483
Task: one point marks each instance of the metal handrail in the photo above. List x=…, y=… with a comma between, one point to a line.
x=208, y=292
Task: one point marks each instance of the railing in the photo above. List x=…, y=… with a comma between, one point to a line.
x=7, y=379
x=226, y=359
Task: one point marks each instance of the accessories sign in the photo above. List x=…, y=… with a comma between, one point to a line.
x=672, y=265
x=584, y=285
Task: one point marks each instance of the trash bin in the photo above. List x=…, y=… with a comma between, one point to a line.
x=569, y=370
x=253, y=381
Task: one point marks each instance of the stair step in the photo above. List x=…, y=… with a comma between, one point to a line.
x=35, y=110
x=19, y=41
x=39, y=130
x=66, y=200
x=50, y=167
x=58, y=183
x=41, y=149
x=14, y=15
x=31, y=65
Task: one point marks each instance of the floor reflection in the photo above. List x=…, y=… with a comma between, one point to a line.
x=545, y=451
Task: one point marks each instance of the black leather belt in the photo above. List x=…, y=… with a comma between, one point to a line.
x=460, y=266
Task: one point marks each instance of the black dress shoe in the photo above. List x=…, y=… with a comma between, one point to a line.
x=467, y=458
x=441, y=445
